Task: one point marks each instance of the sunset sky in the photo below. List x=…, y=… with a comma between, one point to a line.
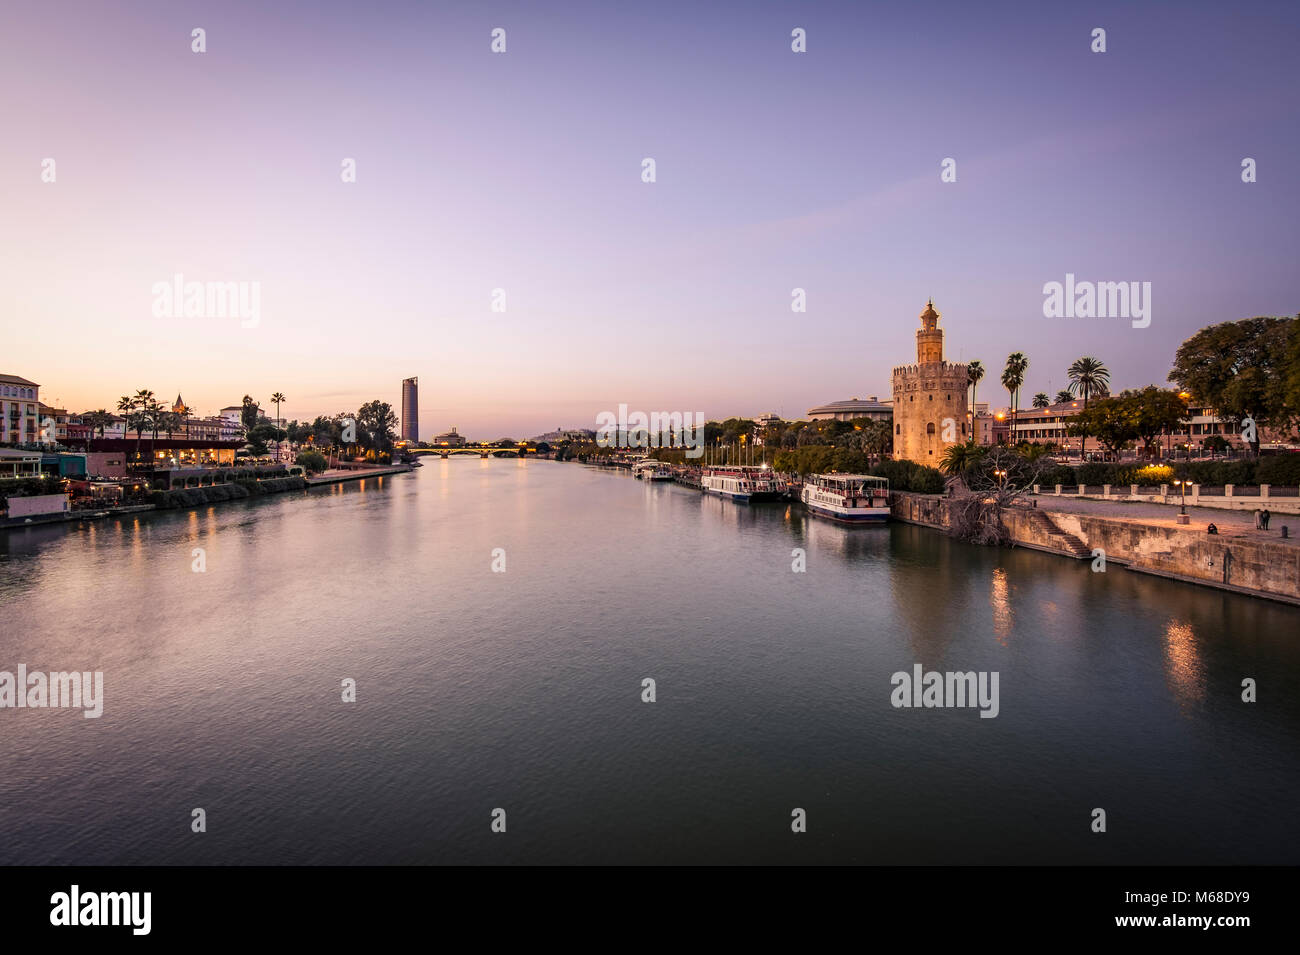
x=522, y=171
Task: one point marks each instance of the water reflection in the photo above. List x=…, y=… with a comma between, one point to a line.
x=1184, y=668
x=1004, y=618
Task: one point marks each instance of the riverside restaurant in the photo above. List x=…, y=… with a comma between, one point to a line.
x=116, y=457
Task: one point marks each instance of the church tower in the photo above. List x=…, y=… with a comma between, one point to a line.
x=930, y=407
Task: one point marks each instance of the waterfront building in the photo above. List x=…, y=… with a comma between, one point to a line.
x=761, y=423
x=52, y=427
x=871, y=408
x=449, y=440
x=1049, y=426
x=19, y=410
x=579, y=435
x=19, y=464
x=234, y=416
x=986, y=427
x=929, y=398
x=113, y=457
x=411, y=409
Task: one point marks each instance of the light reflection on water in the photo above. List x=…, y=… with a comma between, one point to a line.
x=522, y=689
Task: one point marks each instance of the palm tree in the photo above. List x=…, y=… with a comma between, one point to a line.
x=1041, y=400
x=276, y=399
x=961, y=459
x=1013, y=376
x=125, y=406
x=92, y=420
x=1063, y=396
x=974, y=373
x=153, y=416
x=1088, y=377
x=132, y=408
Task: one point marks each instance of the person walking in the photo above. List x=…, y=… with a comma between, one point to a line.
x=1259, y=519
x=1265, y=518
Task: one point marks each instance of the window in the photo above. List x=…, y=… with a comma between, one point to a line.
x=898, y=429
x=929, y=428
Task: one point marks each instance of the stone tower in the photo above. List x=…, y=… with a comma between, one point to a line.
x=930, y=407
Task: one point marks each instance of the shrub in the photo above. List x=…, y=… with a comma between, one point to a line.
x=1058, y=474
x=1215, y=473
x=198, y=496
x=910, y=476
x=1151, y=475
x=1280, y=469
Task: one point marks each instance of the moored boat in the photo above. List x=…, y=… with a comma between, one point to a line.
x=850, y=498
x=743, y=483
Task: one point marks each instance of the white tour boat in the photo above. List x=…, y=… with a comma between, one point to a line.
x=851, y=498
x=743, y=483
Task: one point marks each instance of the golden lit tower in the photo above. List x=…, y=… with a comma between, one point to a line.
x=930, y=407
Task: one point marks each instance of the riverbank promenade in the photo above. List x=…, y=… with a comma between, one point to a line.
x=1231, y=524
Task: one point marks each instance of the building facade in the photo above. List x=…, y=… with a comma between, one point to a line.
x=579, y=435
x=1050, y=426
x=449, y=440
x=411, y=409
x=853, y=408
x=20, y=410
x=930, y=407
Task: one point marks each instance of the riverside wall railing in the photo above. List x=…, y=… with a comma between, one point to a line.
x=1228, y=496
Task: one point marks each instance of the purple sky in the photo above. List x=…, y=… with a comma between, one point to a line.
x=522, y=171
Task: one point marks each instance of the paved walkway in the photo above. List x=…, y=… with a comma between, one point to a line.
x=1229, y=523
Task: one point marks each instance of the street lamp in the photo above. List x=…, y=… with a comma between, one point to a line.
x=1001, y=475
x=1182, y=497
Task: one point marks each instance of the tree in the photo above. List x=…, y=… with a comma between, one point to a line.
x=1109, y=420
x=96, y=420
x=1013, y=377
x=1088, y=377
x=125, y=406
x=1152, y=412
x=974, y=374
x=959, y=459
x=1241, y=369
x=1041, y=400
x=1215, y=443
x=995, y=479
x=313, y=462
x=248, y=414
x=277, y=398
x=376, y=420
x=1291, y=381
x=137, y=415
x=1062, y=397
x=877, y=440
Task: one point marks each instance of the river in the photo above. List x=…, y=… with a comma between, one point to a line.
x=522, y=689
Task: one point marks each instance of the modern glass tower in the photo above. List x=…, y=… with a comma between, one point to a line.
x=410, y=409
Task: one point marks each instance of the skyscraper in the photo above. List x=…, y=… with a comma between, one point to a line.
x=410, y=409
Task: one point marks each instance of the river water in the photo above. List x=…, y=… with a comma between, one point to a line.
x=480, y=689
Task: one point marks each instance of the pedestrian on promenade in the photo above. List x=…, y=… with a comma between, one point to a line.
x=1265, y=517
x=1259, y=519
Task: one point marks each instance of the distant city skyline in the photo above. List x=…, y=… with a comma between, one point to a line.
x=522, y=172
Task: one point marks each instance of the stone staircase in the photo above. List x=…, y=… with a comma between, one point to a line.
x=1062, y=541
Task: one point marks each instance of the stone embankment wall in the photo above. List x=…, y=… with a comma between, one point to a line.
x=1262, y=568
